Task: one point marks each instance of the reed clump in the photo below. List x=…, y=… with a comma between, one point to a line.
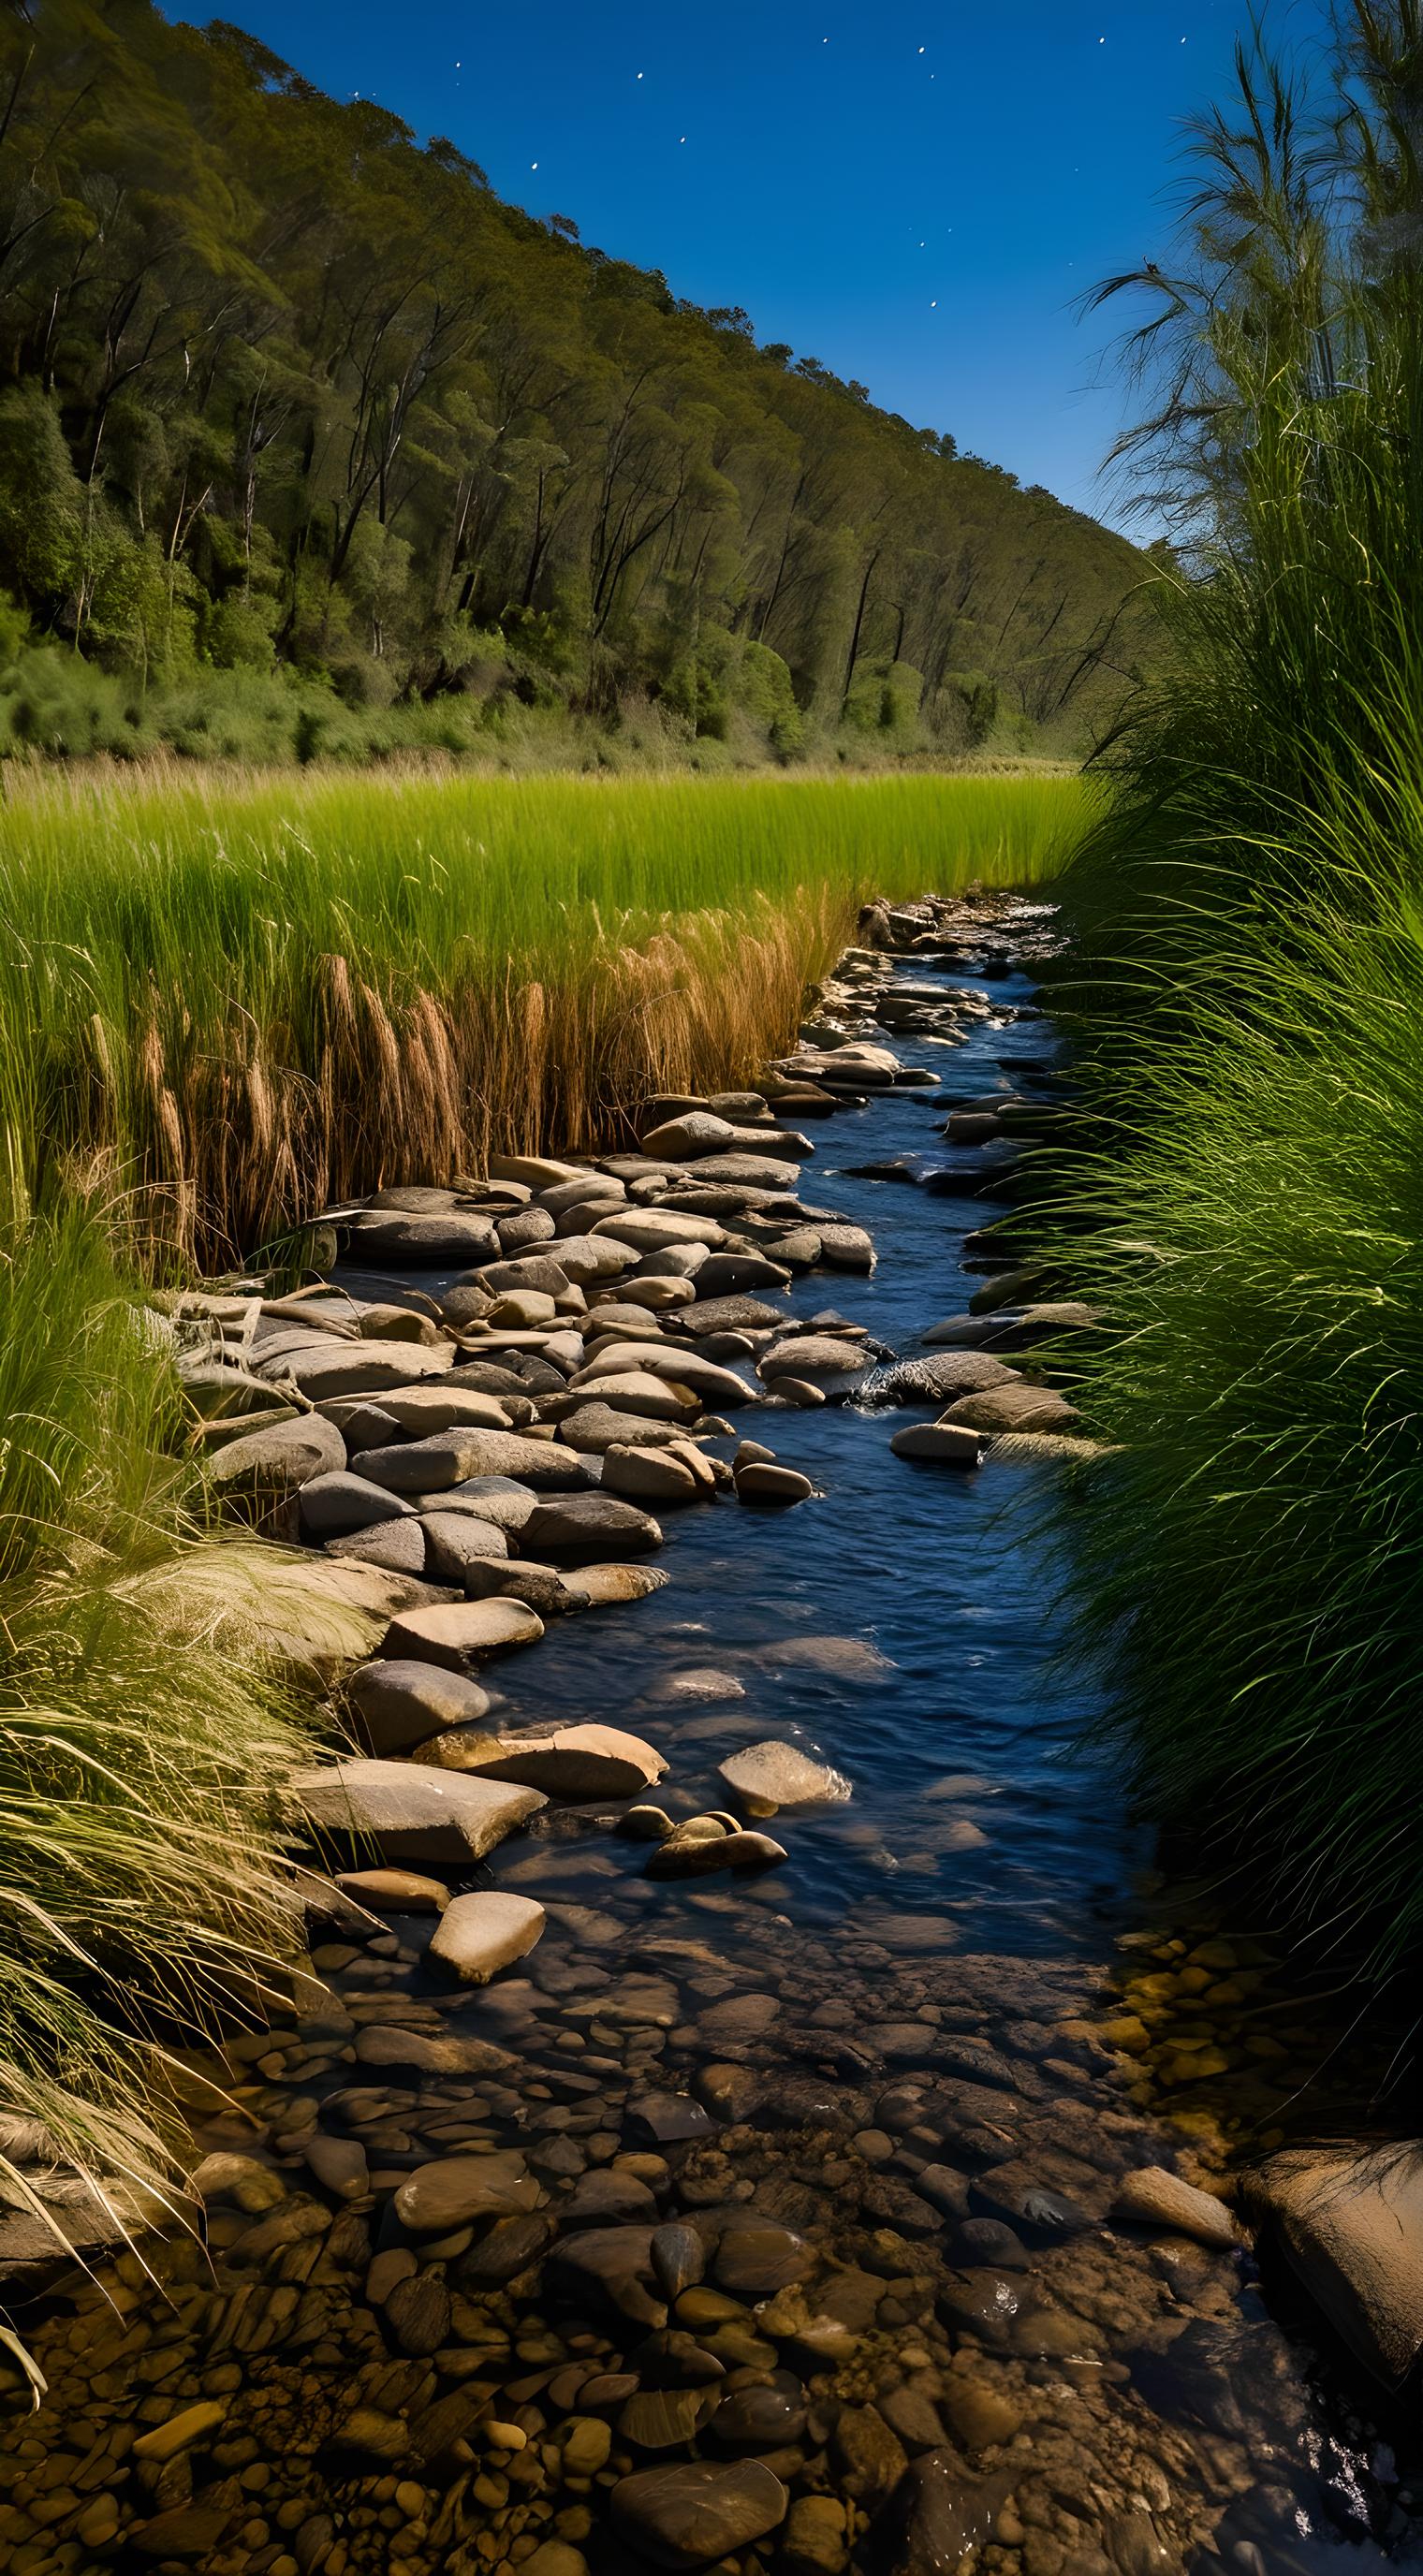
x=245, y=998
x=1249, y=995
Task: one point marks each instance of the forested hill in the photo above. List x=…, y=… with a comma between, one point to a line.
x=292, y=399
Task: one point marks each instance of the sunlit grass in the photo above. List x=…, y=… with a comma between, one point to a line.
x=237, y=999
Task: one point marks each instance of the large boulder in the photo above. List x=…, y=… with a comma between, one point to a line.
x=322, y=1366
x=687, y=1139
x=409, y=1813
x=1350, y=2220
x=652, y=1230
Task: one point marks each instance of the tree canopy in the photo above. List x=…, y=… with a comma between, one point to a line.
x=285, y=389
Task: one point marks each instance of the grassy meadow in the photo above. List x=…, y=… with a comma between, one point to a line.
x=226, y=1000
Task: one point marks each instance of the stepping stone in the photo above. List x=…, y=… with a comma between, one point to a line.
x=458, y=1633
x=409, y=1813
x=479, y=1934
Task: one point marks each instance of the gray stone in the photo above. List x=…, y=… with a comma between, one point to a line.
x=451, y=1458
x=409, y=1813
x=396, y=1546
x=338, y=1505
x=428, y=1241
x=458, y=1633
x=454, y=1541
x=266, y=1466
x=591, y=1525
x=401, y=1703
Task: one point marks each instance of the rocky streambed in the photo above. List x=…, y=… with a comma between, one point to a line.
x=746, y=2110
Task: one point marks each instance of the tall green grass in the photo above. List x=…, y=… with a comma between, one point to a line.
x=238, y=998
x=1250, y=1000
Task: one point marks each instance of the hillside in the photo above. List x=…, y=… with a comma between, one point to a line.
x=309, y=442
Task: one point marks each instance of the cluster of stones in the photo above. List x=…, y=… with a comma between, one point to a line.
x=538, y=2236
x=631, y=2259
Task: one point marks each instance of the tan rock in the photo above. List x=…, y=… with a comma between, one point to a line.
x=452, y=2190
x=410, y=1813
x=481, y=1933
x=457, y=1633
x=1351, y=2222
x=1152, y=2196
x=648, y=1475
x=394, y=1891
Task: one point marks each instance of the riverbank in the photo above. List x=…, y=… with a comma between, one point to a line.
x=800, y=2213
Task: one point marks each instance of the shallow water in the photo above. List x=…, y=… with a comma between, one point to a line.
x=919, y=1987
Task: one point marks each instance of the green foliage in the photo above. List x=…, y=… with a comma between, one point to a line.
x=288, y=388
x=1252, y=1014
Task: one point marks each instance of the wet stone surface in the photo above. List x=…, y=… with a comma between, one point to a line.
x=776, y=2220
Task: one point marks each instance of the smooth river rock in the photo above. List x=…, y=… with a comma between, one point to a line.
x=591, y=1524
x=263, y=1466
x=579, y=1761
x=771, y=1775
x=408, y=1812
x=457, y=1633
x=696, y=2511
x=451, y=1457
x=1154, y=2197
x=400, y=1703
x=451, y=2191
x=481, y=1933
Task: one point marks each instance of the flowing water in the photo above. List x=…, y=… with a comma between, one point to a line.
x=870, y=2100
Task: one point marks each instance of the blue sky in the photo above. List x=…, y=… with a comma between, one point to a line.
x=913, y=191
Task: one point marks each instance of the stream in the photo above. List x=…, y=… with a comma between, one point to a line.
x=780, y=2226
